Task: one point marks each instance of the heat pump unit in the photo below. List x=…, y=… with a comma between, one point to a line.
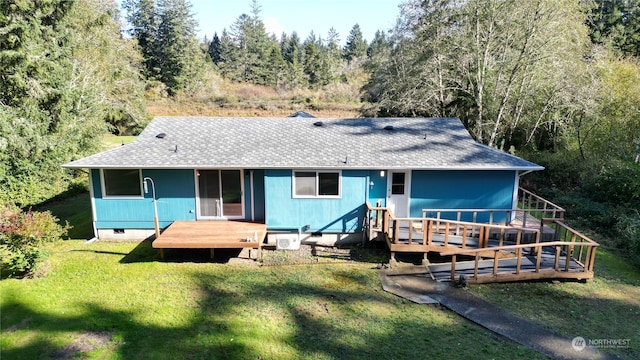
x=287, y=242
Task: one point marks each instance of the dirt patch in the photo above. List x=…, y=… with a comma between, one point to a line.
x=84, y=343
x=19, y=325
x=313, y=254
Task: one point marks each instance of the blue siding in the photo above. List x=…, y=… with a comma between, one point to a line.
x=322, y=215
x=377, y=191
x=275, y=205
x=175, y=192
x=461, y=190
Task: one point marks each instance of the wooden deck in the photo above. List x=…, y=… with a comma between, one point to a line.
x=525, y=248
x=215, y=234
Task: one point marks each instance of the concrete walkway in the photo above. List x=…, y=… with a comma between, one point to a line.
x=416, y=285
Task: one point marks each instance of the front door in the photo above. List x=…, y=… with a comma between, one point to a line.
x=398, y=192
x=220, y=194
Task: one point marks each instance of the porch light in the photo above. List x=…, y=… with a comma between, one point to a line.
x=381, y=173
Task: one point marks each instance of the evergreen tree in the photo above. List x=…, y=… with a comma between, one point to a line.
x=617, y=22
x=142, y=16
x=227, y=54
x=293, y=55
x=166, y=34
x=292, y=52
x=214, y=49
x=277, y=66
x=379, y=45
x=333, y=54
x=356, y=46
x=253, y=48
x=313, y=65
x=179, y=59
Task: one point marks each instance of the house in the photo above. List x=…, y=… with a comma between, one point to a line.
x=306, y=175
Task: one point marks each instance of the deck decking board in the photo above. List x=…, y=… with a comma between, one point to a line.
x=214, y=234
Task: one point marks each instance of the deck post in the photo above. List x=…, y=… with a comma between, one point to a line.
x=161, y=253
x=453, y=267
x=211, y=252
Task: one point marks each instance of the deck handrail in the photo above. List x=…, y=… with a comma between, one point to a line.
x=509, y=214
x=584, y=258
x=577, y=247
x=532, y=202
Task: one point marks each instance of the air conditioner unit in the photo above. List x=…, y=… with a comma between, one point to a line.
x=287, y=242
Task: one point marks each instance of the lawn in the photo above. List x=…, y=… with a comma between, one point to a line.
x=607, y=307
x=117, y=301
x=108, y=300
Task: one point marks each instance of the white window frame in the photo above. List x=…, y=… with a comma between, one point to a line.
x=317, y=185
x=104, y=188
x=197, y=188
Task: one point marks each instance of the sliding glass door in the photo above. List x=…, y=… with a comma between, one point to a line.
x=220, y=194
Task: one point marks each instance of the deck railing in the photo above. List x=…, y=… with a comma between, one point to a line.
x=569, y=247
x=530, y=206
x=491, y=240
x=537, y=206
x=383, y=220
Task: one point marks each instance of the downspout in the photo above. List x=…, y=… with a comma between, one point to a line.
x=93, y=208
x=516, y=191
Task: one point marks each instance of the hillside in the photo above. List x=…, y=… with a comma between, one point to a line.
x=220, y=97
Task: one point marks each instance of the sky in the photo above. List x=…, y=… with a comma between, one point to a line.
x=301, y=16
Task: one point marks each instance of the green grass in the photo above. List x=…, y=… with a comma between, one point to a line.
x=116, y=301
x=112, y=141
x=607, y=307
x=75, y=209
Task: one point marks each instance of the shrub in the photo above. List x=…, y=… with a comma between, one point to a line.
x=22, y=236
x=619, y=185
x=628, y=228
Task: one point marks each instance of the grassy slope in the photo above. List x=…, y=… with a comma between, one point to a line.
x=220, y=97
x=173, y=310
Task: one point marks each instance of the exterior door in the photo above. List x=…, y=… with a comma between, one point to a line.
x=398, y=192
x=220, y=194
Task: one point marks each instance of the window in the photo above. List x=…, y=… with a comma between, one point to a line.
x=316, y=184
x=397, y=183
x=121, y=183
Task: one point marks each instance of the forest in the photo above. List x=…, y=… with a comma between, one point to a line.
x=554, y=81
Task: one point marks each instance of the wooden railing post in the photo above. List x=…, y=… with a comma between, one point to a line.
x=396, y=231
x=385, y=222
x=453, y=267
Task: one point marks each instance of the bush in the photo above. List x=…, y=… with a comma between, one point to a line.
x=619, y=185
x=22, y=236
x=628, y=228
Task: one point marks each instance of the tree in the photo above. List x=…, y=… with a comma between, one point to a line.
x=379, y=45
x=293, y=55
x=142, y=16
x=333, y=54
x=215, y=49
x=356, y=46
x=55, y=106
x=616, y=22
x=252, y=48
x=508, y=69
x=166, y=34
x=179, y=58
x=315, y=66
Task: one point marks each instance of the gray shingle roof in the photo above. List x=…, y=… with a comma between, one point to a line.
x=285, y=143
